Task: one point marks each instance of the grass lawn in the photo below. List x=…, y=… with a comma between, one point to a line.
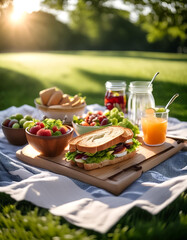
x=23, y=75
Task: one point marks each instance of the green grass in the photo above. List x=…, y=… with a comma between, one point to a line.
x=23, y=75
x=87, y=72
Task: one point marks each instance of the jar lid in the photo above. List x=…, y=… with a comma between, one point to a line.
x=140, y=86
x=115, y=85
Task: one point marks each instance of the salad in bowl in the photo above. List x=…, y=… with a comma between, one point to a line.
x=96, y=120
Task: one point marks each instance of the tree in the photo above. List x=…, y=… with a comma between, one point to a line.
x=107, y=29
x=158, y=18
x=163, y=18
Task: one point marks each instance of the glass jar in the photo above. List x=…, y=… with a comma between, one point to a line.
x=115, y=95
x=140, y=98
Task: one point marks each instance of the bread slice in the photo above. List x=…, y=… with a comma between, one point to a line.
x=55, y=98
x=75, y=99
x=77, y=103
x=101, y=139
x=65, y=99
x=91, y=166
x=46, y=94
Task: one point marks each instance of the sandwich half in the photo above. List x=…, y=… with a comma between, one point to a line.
x=102, y=147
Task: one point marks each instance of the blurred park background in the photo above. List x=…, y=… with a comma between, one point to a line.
x=135, y=25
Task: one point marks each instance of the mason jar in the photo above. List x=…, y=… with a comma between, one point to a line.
x=140, y=98
x=115, y=95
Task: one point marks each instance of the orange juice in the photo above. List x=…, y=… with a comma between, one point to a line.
x=154, y=130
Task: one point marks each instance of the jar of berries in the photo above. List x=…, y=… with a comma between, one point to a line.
x=115, y=95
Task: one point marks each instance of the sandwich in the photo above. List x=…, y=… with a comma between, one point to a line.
x=102, y=147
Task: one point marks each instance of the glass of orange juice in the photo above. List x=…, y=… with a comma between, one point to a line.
x=154, y=126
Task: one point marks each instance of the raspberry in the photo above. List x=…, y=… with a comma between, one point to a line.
x=44, y=132
x=35, y=129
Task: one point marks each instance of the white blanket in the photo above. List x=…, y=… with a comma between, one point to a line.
x=80, y=203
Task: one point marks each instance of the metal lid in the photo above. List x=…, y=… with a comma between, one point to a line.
x=140, y=87
x=115, y=85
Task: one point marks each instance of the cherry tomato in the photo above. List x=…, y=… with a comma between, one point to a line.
x=85, y=124
x=100, y=112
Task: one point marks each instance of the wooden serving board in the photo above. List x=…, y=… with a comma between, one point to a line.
x=114, y=178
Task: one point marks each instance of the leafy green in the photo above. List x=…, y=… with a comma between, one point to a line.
x=133, y=147
x=50, y=123
x=71, y=155
x=57, y=133
x=99, y=157
x=38, y=100
x=77, y=119
x=128, y=124
x=82, y=98
x=94, y=157
x=117, y=118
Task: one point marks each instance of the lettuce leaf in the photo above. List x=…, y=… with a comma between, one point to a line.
x=128, y=124
x=50, y=123
x=71, y=155
x=133, y=147
x=77, y=119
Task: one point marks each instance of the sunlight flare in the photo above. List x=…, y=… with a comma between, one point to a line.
x=22, y=7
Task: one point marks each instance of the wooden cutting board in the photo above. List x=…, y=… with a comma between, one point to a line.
x=114, y=178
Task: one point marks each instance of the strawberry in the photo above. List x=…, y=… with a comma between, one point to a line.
x=63, y=130
x=55, y=129
x=35, y=129
x=44, y=132
x=41, y=124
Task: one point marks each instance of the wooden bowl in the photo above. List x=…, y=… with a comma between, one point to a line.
x=15, y=136
x=49, y=146
x=59, y=112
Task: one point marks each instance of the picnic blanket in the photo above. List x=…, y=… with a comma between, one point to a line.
x=80, y=203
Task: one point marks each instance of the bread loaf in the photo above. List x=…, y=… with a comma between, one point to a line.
x=46, y=94
x=55, y=98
